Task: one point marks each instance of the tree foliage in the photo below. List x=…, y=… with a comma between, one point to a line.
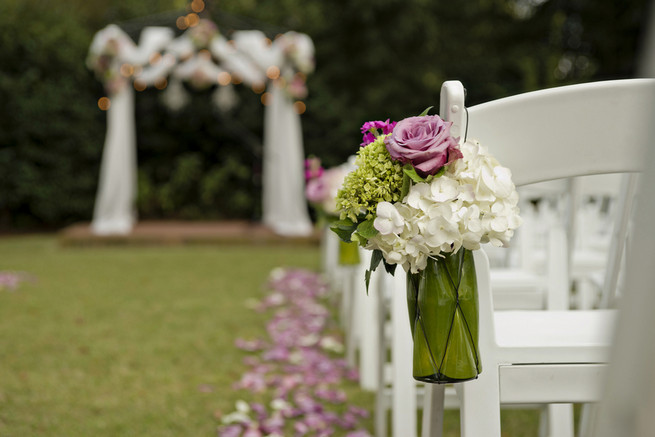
x=375, y=60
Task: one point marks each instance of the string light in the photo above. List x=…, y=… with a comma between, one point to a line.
x=224, y=78
x=181, y=23
x=139, y=85
x=197, y=6
x=192, y=19
x=258, y=87
x=104, y=103
x=161, y=83
x=127, y=70
x=273, y=72
x=266, y=99
x=299, y=107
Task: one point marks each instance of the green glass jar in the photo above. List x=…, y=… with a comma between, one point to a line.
x=443, y=310
x=348, y=253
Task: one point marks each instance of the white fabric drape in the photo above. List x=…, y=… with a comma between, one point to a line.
x=284, y=207
x=114, y=211
x=283, y=191
x=248, y=57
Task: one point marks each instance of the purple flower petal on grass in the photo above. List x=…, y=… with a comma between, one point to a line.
x=358, y=411
x=249, y=345
x=333, y=396
x=230, y=431
x=252, y=432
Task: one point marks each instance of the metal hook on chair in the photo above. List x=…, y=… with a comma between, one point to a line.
x=466, y=109
x=466, y=129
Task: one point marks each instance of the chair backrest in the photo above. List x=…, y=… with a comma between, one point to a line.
x=575, y=130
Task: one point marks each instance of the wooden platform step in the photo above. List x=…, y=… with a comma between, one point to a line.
x=185, y=232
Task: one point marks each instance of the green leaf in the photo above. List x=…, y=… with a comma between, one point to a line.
x=344, y=229
x=367, y=276
x=426, y=111
x=343, y=224
x=366, y=229
x=407, y=184
x=343, y=234
x=411, y=172
x=390, y=268
x=376, y=257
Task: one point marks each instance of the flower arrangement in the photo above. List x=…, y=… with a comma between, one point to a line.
x=203, y=33
x=419, y=193
x=105, y=63
x=298, y=62
x=322, y=186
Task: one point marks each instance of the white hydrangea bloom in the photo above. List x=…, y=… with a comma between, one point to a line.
x=388, y=220
x=474, y=202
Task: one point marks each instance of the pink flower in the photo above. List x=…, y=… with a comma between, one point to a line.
x=370, y=130
x=317, y=190
x=313, y=168
x=424, y=142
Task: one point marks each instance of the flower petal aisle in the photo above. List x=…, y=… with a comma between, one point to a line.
x=296, y=373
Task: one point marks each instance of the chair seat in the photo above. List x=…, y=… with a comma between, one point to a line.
x=532, y=383
x=554, y=336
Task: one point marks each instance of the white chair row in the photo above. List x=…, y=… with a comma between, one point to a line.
x=548, y=356
x=521, y=348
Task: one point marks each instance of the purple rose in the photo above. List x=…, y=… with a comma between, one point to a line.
x=424, y=142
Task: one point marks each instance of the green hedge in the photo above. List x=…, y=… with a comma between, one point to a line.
x=50, y=133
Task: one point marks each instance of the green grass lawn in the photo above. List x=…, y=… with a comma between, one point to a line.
x=128, y=341
x=139, y=341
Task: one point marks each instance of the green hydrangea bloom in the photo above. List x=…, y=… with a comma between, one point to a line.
x=376, y=179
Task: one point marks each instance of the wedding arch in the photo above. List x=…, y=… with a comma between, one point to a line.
x=203, y=57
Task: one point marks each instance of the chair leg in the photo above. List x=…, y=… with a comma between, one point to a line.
x=557, y=421
x=480, y=405
x=403, y=405
x=382, y=399
x=381, y=410
x=587, y=418
x=433, y=406
x=368, y=339
x=349, y=313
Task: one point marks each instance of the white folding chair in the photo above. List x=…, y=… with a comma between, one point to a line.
x=547, y=356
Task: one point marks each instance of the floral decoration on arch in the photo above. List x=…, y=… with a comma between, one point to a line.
x=203, y=57
x=107, y=55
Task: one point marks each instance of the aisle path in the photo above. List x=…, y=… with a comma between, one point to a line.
x=298, y=367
